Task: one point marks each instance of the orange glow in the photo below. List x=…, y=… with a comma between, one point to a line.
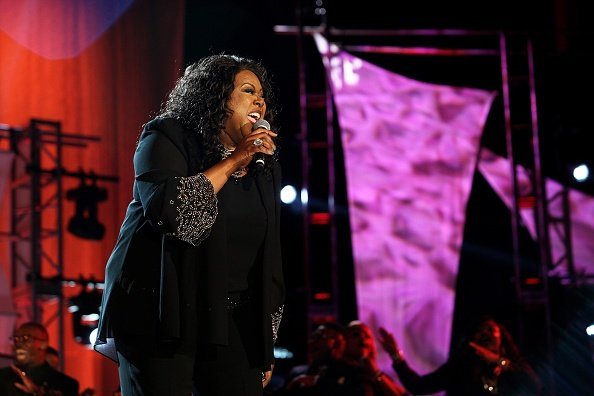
x=104, y=91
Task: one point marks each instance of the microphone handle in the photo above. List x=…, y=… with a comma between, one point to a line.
x=259, y=156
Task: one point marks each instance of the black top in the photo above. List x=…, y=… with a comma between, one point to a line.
x=246, y=214
x=44, y=375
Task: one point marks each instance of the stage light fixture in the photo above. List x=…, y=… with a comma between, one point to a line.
x=85, y=223
x=581, y=172
x=282, y=353
x=288, y=194
x=304, y=196
x=85, y=314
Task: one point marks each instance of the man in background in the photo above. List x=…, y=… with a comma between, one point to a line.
x=30, y=372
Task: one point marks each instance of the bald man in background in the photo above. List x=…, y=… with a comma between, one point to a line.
x=30, y=374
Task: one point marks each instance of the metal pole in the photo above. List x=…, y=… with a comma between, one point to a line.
x=514, y=184
x=304, y=160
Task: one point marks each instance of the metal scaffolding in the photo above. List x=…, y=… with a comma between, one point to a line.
x=37, y=218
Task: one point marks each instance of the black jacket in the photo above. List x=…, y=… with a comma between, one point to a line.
x=44, y=375
x=153, y=278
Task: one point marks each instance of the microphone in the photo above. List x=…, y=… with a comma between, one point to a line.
x=262, y=123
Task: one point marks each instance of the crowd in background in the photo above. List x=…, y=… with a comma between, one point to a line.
x=342, y=360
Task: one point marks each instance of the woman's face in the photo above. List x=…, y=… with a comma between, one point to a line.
x=247, y=106
x=360, y=341
x=326, y=342
x=489, y=335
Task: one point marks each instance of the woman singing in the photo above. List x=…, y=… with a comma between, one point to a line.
x=194, y=286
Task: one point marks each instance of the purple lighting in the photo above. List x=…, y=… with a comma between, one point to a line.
x=46, y=26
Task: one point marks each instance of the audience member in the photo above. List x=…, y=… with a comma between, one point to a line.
x=487, y=363
x=30, y=374
x=361, y=355
x=325, y=372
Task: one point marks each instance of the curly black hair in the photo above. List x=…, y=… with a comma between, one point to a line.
x=509, y=347
x=199, y=102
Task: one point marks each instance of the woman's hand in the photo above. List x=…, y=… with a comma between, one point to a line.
x=484, y=353
x=388, y=342
x=241, y=156
x=258, y=141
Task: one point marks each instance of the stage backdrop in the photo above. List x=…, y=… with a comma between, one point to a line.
x=101, y=68
x=410, y=152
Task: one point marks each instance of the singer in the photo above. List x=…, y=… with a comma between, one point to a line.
x=194, y=286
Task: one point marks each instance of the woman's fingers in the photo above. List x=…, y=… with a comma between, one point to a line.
x=261, y=141
x=387, y=341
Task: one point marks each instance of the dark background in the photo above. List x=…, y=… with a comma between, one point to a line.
x=485, y=284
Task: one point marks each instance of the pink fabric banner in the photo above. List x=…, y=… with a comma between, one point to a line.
x=496, y=171
x=410, y=151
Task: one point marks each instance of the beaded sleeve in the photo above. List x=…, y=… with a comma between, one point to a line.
x=276, y=320
x=196, y=208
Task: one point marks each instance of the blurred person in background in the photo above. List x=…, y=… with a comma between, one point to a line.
x=31, y=374
x=361, y=355
x=488, y=362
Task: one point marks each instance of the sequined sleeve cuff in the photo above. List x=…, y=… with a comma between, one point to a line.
x=196, y=208
x=276, y=320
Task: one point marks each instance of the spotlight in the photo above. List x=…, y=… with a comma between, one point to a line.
x=581, y=172
x=288, y=194
x=282, y=353
x=93, y=336
x=304, y=196
x=590, y=330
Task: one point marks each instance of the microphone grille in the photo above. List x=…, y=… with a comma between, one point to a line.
x=262, y=123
